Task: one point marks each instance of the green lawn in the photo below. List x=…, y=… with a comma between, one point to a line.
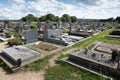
x=99, y=37
x=1, y=41
x=66, y=71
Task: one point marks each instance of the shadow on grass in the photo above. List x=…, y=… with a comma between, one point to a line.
x=5, y=67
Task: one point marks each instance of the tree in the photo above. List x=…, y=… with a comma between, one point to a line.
x=73, y=19
x=110, y=19
x=118, y=19
x=42, y=18
x=29, y=18
x=24, y=19
x=65, y=18
x=6, y=22
x=50, y=17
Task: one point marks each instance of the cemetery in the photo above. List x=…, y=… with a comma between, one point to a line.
x=53, y=40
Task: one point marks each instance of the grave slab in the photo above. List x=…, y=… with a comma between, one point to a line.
x=12, y=54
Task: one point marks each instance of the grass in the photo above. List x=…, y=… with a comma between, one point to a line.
x=99, y=37
x=1, y=40
x=66, y=30
x=68, y=72
x=39, y=64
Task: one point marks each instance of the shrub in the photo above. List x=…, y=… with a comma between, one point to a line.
x=1, y=40
x=66, y=30
x=15, y=41
x=8, y=35
x=54, y=36
x=33, y=26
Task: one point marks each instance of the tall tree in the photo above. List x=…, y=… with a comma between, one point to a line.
x=65, y=18
x=73, y=19
x=110, y=19
x=118, y=19
x=29, y=18
x=42, y=18
x=50, y=17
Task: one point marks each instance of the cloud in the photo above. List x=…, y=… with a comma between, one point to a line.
x=90, y=9
x=89, y=2
x=17, y=1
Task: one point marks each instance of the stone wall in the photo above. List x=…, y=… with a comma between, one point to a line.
x=96, y=66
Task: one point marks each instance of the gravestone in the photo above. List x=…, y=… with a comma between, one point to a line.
x=18, y=56
x=31, y=36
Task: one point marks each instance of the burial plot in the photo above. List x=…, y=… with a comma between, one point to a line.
x=76, y=29
x=94, y=62
x=18, y=56
x=31, y=36
x=114, y=34
x=55, y=35
x=102, y=47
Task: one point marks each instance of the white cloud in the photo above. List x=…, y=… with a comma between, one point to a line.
x=17, y=1
x=108, y=8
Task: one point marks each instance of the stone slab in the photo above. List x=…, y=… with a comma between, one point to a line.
x=20, y=52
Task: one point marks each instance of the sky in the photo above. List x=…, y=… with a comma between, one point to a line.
x=95, y=9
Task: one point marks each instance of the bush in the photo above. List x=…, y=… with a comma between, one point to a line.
x=15, y=41
x=8, y=35
x=33, y=26
x=54, y=36
x=66, y=30
x=1, y=40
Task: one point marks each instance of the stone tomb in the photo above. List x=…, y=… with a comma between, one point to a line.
x=31, y=36
x=11, y=56
x=76, y=29
x=114, y=34
x=94, y=62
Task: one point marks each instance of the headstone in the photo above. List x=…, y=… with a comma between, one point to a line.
x=31, y=36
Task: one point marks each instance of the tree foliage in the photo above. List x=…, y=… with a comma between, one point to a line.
x=118, y=19
x=73, y=19
x=65, y=18
x=29, y=18
x=49, y=18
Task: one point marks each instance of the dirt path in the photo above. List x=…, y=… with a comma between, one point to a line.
x=2, y=46
x=22, y=75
